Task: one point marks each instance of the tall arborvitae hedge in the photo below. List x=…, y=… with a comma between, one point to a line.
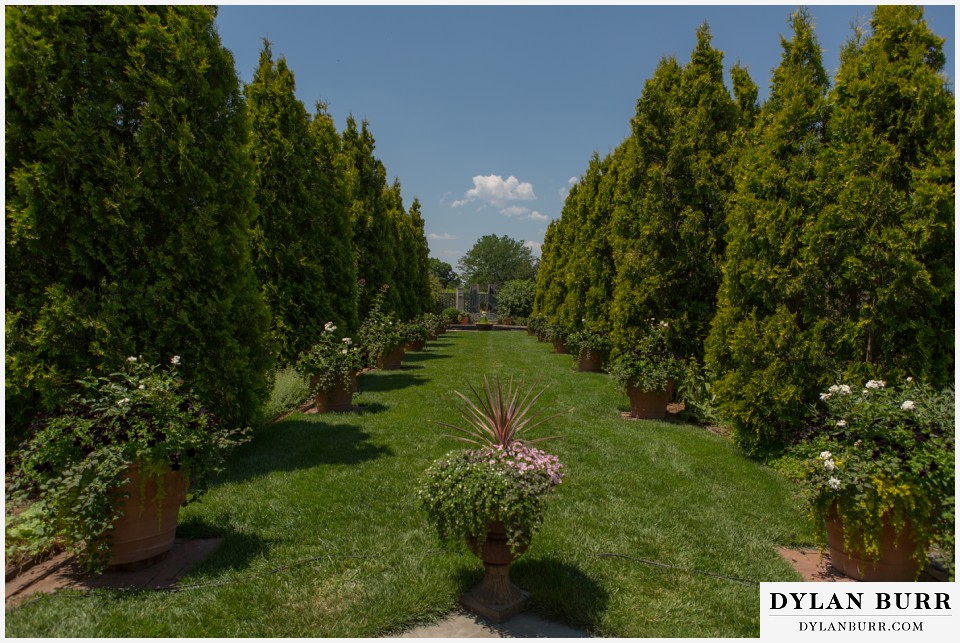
x=828, y=214
x=880, y=255
x=302, y=236
x=670, y=240
x=129, y=202
x=759, y=345
x=375, y=241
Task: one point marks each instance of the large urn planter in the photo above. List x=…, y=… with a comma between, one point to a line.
x=146, y=522
x=337, y=398
x=391, y=360
x=560, y=347
x=590, y=361
x=495, y=598
x=416, y=346
x=895, y=564
x=649, y=405
x=484, y=326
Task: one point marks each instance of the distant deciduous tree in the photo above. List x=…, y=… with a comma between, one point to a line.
x=496, y=260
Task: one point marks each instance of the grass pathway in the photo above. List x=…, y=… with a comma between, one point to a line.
x=322, y=536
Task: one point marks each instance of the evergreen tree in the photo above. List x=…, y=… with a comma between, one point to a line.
x=551, y=286
x=301, y=236
x=880, y=256
x=671, y=241
x=768, y=372
x=129, y=203
x=375, y=242
x=419, y=280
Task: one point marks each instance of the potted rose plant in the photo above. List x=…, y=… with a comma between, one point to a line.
x=879, y=475
x=590, y=347
x=648, y=372
x=415, y=334
x=332, y=365
x=382, y=336
x=108, y=471
x=492, y=496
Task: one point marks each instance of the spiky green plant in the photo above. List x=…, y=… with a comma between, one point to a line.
x=499, y=418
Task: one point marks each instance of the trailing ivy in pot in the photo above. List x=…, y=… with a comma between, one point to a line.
x=537, y=325
x=557, y=334
x=493, y=496
x=137, y=425
x=879, y=474
x=332, y=365
x=590, y=347
x=648, y=372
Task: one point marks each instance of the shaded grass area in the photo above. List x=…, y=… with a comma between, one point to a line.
x=322, y=535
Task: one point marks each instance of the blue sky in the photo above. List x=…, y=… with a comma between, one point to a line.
x=488, y=113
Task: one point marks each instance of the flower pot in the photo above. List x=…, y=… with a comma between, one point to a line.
x=391, y=360
x=895, y=564
x=560, y=347
x=590, y=361
x=484, y=326
x=335, y=398
x=541, y=337
x=507, y=321
x=495, y=598
x=146, y=523
x=416, y=346
x=649, y=405
x=465, y=320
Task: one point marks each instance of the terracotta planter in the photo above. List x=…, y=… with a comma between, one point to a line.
x=896, y=562
x=507, y=321
x=391, y=361
x=336, y=398
x=484, y=326
x=649, y=405
x=560, y=347
x=416, y=346
x=465, y=320
x=495, y=598
x=590, y=361
x=146, y=524
x=530, y=332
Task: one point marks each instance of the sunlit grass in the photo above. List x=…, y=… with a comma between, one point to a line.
x=322, y=536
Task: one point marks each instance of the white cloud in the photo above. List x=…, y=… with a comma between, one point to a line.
x=534, y=246
x=497, y=191
x=564, y=191
x=514, y=211
x=536, y=216
x=443, y=236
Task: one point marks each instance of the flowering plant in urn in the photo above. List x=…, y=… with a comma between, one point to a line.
x=331, y=362
x=504, y=478
x=883, y=455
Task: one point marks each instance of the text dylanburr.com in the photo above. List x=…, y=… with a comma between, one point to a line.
x=858, y=611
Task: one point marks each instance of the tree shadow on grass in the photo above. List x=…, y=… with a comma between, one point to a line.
x=423, y=356
x=294, y=444
x=234, y=553
x=560, y=591
x=391, y=380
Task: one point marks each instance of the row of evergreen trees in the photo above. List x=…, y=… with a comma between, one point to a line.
x=788, y=245
x=154, y=210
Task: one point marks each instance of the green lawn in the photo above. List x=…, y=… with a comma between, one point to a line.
x=322, y=535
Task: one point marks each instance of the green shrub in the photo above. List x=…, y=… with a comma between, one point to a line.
x=451, y=315
x=515, y=298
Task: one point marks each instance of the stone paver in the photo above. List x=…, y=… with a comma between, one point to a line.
x=460, y=625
